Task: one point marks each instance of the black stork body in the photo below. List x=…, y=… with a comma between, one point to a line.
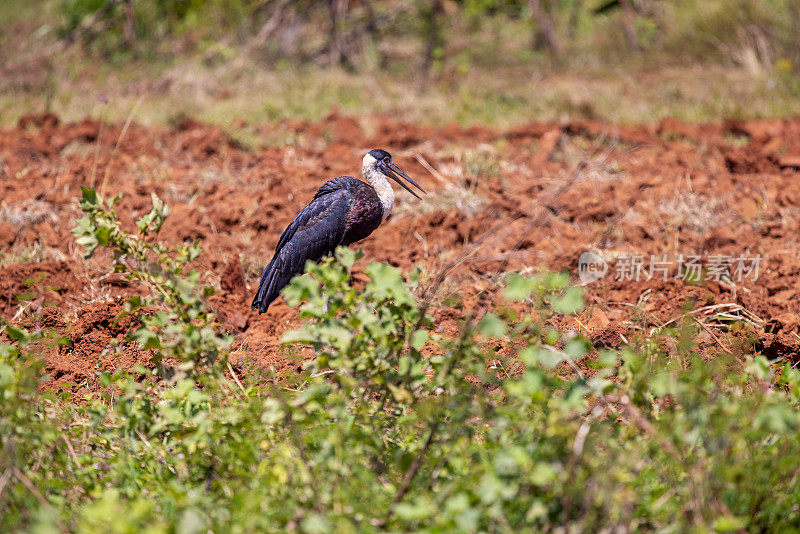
x=344, y=210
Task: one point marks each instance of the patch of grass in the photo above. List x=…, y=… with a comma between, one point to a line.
x=26, y=213
x=34, y=253
x=697, y=61
x=737, y=140
x=34, y=280
x=221, y=94
x=451, y=197
x=695, y=211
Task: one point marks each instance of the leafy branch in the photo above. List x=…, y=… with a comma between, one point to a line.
x=183, y=327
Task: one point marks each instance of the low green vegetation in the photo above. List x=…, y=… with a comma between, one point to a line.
x=394, y=425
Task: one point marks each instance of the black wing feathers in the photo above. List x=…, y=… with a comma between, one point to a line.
x=341, y=182
x=315, y=232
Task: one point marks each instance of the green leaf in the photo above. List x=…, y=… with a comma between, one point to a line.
x=273, y=412
x=492, y=326
x=191, y=522
x=728, y=524
x=543, y=474
x=89, y=243
x=556, y=281
x=134, y=303
x=758, y=367
x=316, y=524
x=16, y=333
x=418, y=339
x=401, y=395
x=90, y=199
x=147, y=339
x=570, y=302
x=345, y=256
x=303, y=287
x=548, y=358
x=575, y=348
x=8, y=350
x=387, y=283
x=304, y=336
x=417, y=510
x=103, y=235
x=608, y=358
x=519, y=287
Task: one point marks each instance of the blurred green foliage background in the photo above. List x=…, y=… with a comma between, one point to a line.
x=470, y=61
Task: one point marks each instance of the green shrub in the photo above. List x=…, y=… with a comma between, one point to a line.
x=395, y=426
x=181, y=327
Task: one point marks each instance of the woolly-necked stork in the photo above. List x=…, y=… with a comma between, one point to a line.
x=344, y=210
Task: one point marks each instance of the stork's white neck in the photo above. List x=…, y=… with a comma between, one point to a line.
x=378, y=182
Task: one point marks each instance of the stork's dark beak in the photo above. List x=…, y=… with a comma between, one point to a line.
x=393, y=171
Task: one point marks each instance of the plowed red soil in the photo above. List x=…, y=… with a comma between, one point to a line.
x=532, y=198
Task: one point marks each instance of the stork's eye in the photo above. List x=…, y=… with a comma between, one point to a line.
x=386, y=159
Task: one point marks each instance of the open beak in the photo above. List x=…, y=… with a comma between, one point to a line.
x=394, y=172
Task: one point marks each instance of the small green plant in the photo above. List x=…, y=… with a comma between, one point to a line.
x=370, y=337
x=180, y=326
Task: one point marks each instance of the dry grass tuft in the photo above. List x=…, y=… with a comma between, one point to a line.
x=452, y=197
x=27, y=213
x=698, y=212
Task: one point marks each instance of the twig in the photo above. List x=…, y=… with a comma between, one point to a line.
x=116, y=146
x=144, y=439
x=87, y=24
x=411, y=472
x=28, y=483
x=416, y=464
x=351, y=38
x=96, y=153
x=71, y=450
x=270, y=26
x=430, y=168
x=710, y=332
x=235, y=378
x=322, y=373
x=641, y=421
x=574, y=366
x=577, y=451
x=4, y=478
x=304, y=459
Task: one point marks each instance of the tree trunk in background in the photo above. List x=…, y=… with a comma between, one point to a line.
x=431, y=12
x=628, y=19
x=574, y=19
x=274, y=20
x=546, y=33
x=129, y=29
x=338, y=12
x=372, y=30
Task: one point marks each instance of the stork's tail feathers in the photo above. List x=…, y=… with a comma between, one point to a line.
x=268, y=289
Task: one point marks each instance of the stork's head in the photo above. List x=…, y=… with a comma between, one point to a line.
x=378, y=162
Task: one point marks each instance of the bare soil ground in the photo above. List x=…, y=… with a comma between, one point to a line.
x=527, y=199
